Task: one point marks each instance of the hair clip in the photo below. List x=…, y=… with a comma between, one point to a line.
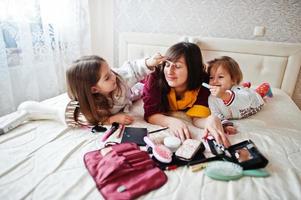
x=98, y=128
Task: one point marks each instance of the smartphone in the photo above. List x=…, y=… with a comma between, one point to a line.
x=135, y=135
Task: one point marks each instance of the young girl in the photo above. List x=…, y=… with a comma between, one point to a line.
x=176, y=86
x=98, y=93
x=229, y=100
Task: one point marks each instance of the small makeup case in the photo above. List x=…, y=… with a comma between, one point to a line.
x=245, y=153
x=188, y=149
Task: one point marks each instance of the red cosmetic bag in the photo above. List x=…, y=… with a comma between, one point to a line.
x=123, y=171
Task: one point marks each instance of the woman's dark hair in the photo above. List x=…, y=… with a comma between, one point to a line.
x=195, y=66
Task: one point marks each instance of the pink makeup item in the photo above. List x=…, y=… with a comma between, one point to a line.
x=121, y=130
x=171, y=167
x=109, y=132
x=172, y=142
x=148, y=142
x=160, y=152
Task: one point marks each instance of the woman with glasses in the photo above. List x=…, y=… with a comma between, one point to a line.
x=176, y=85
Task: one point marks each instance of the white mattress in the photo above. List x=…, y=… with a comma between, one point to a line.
x=44, y=159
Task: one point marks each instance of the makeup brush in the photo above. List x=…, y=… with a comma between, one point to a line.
x=109, y=132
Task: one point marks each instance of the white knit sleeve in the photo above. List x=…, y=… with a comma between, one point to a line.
x=133, y=71
x=214, y=108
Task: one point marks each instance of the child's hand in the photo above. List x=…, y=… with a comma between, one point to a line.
x=217, y=91
x=154, y=60
x=230, y=130
x=121, y=118
x=221, y=93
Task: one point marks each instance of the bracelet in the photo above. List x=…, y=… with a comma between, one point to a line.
x=226, y=122
x=232, y=95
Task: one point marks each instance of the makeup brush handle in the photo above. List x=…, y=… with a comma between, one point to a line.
x=108, y=133
x=206, y=85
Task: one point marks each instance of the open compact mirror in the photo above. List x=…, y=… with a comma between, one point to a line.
x=226, y=171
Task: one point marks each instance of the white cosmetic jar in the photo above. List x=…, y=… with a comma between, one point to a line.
x=172, y=142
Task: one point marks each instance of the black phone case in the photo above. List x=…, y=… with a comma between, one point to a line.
x=135, y=135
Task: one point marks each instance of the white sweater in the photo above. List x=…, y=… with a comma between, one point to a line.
x=131, y=73
x=246, y=102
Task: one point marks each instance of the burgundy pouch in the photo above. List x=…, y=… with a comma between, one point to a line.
x=124, y=172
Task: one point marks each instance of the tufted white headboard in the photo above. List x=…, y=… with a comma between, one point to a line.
x=273, y=62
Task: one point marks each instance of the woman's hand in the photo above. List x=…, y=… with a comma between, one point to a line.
x=154, y=60
x=175, y=125
x=213, y=126
x=179, y=129
x=121, y=118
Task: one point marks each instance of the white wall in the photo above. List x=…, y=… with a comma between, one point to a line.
x=210, y=18
x=101, y=20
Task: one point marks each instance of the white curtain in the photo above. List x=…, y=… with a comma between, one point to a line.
x=38, y=40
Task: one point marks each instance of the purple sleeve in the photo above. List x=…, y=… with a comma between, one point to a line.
x=202, y=98
x=151, y=97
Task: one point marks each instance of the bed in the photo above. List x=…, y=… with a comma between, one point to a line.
x=43, y=159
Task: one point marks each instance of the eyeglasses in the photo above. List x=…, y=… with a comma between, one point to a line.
x=169, y=64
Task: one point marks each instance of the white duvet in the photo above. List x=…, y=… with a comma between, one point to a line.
x=44, y=159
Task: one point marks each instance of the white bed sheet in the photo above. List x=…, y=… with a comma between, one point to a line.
x=44, y=159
